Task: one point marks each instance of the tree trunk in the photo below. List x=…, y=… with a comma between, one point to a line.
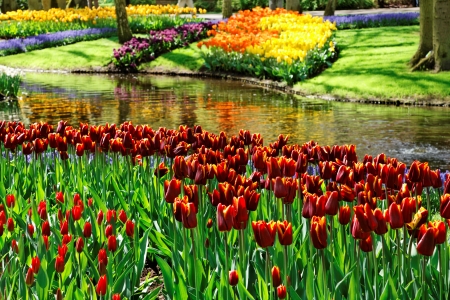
x=8, y=5
x=441, y=35
x=34, y=5
x=123, y=29
x=280, y=3
x=426, y=32
x=272, y=4
x=226, y=9
x=330, y=8
x=289, y=4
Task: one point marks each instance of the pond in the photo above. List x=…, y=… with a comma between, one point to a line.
x=405, y=132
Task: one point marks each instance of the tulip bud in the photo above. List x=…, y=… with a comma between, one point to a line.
x=87, y=230
x=59, y=264
x=344, y=215
x=30, y=230
x=66, y=239
x=129, y=228
x=209, y=224
x=112, y=243
x=108, y=230
x=233, y=278
x=123, y=216
x=64, y=227
x=46, y=228
x=76, y=212
x=207, y=243
x=29, y=280
x=10, y=200
x=59, y=197
x=101, y=286
x=79, y=245
x=14, y=246
x=281, y=291
x=111, y=216
x=115, y=297
x=35, y=264
x=276, y=276
x=59, y=295
x=45, y=238
x=10, y=224
x=100, y=217
x=90, y=201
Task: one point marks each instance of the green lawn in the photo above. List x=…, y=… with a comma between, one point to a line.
x=372, y=64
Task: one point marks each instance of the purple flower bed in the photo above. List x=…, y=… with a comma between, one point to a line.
x=374, y=20
x=42, y=41
x=139, y=50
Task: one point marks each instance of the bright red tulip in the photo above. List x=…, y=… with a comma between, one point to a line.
x=129, y=228
x=112, y=243
x=276, y=276
x=45, y=238
x=111, y=216
x=318, y=232
x=233, y=278
x=172, y=189
x=10, y=200
x=30, y=229
x=14, y=246
x=115, y=297
x=101, y=286
x=64, y=227
x=2, y=217
x=264, y=233
x=366, y=245
x=108, y=230
x=35, y=264
x=102, y=257
x=225, y=216
x=123, y=216
x=79, y=245
x=284, y=233
x=281, y=291
x=29, y=279
x=10, y=224
x=99, y=217
x=59, y=197
x=444, y=208
x=66, y=239
x=76, y=212
x=87, y=230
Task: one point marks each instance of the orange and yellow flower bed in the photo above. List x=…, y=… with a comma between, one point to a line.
x=272, y=39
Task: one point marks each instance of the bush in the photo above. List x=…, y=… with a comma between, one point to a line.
x=9, y=85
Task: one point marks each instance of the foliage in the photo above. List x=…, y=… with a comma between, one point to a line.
x=271, y=44
x=9, y=85
x=83, y=207
x=139, y=50
x=342, y=4
x=43, y=41
x=374, y=20
x=142, y=18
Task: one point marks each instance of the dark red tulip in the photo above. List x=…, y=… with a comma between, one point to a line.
x=365, y=216
x=347, y=193
x=87, y=230
x=332, y=203
x=436, y=180
x=108, y=230
x=59, y=264
x=325, y=169
x=2, y=217
x=35, y=264
x=188, y=215
x=225, y=216
x=102, y=257
x=264, y=233
x=29, y=279
x=129, y=228
x=344, y=215
x=180, y=168
x=284, y=233
x=233, y=278
x=276, y=276
x=273, y=168
x=30, y=229
x=356, y=230
x=366, y=245
x=79, y=245
x=209, y=223
x=281, y=291
x=10, y=200
x=416, y=173
x=99, y=217
x=241, y=217
x=112, y=243
x=59, y=197
x=381, y=228
x=395, y=216
x=172, y=189
x=102, y=286
x=441, y=235
x=10, y=224
x=42, y=210
x=426, y=240
x=111, y=216
x=251, y=198
x=309, y=206
x=62, y=250
x=318, y=232
x=27, y=148
x=14, y=246
x=115, y=297
x=123, y=216
x=444, y=207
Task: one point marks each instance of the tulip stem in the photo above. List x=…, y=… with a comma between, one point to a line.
x=399, y=259
x=375, y=265
x=79, y=269
x=424, y=283
x=332, y=251
x=242, y=253
x=286, y=273
x=185, y=251
x=440, y=272
x=226, y=259
x=325, y=288
x=428, y=199
x=268, y=279
x=195, y=264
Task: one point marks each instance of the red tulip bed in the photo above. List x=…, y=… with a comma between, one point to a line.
x=85, y=209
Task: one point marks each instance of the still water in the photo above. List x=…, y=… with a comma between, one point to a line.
x=407, y=133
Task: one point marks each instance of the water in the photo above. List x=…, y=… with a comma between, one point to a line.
x=407, y=133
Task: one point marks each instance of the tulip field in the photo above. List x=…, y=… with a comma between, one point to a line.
x=85, y=210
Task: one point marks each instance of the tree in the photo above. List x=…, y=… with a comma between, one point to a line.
x=123, y=28
x=434, y=45
x=330, y=8
x=226, y=9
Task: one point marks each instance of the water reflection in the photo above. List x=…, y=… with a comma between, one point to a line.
x=407, y=133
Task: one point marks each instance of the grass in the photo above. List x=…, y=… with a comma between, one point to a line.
x=373, y=64
x=81, y=55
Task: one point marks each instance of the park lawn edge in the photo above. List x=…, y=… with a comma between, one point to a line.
x=372, y=68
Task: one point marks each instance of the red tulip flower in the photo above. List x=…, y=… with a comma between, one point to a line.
x=381, y=228
x=365, y=216
x=318, y=232
x=366, y=245
x=233, y=277
x=79, y=245
x=172, y=189
x=35, y=264
x=76, y=212
x=108, y=230
x=59, y=197
x=426, y=240
x=45, y=238
x=284, y=233
x=188, y=215
x=123, y=216
x=419, y=218
x=101, y=286
x=59, y=264
x=444, y=208
x=344, y=215
x=112, y=243
x=441, y=235
x=10, y=200
x=2, y=217
x=115, y=297
x=87, y=230
x=276, y=276
x=225, y=216
x=99, y=217
x=241, y=218
x=66, y=239
x=416, y=172
x=332, y=203
x=180, y=168
x=29, y=279
x=281, y=291
x=10, y=224
x=264, y=233
x=111, y=216
x=14, y=246
x=64, y=227
x=395, y=216
x=129, y=228
x=102, y=257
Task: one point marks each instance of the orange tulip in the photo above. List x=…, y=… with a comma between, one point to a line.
x=284, y=233
x=264, y=233
x=225, y=216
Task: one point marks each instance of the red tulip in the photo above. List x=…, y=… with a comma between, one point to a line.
x=444, y=208
x=309, y=206
x=123, y=216
x=233, y=278
x=365, y=217
x=366, y=244
x=284, y=233
x=188, y=215
x=241, y=217
x=76, y=212
x=129, y=228
x=111, y=216
x=59, y=295
x=10, y=200
x=108, y=230
x=318, y=232
x=45, y=238
x=415, y=173
x=99, y=217
x=10, y=224
x=281, y=291
x=87, y=230
x=59, y=264
x=172, y=189
x=2, y=217
x=273, y=168
x=251, y=198
x=102, y=257
x=115, y=297
x=347, y=194
x=101, y=286
x=441, y=235
x=112, y=243
x=264, y=233
x=419, y=218
x=180, y=168
x=79, y=245
x=62, y=250
x=276, y=276
x=59, y=197
x=225, y=215
x=35, y=264
x=426, y=241
x=14, y=246
x=30, y=229
x=395, y=216
x=436, y=180
x=66, y=239
x=408, y=208
x=64, y=227
x=332, y=203
x=381, y=228
x=29, y=279
x=344, y=215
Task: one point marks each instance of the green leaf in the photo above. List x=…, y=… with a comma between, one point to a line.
x=389, y=291
x=153, y=295
x=167, y=275
x=309, y=282
x=293, y=294
x=119, y=194
x=97, y=199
